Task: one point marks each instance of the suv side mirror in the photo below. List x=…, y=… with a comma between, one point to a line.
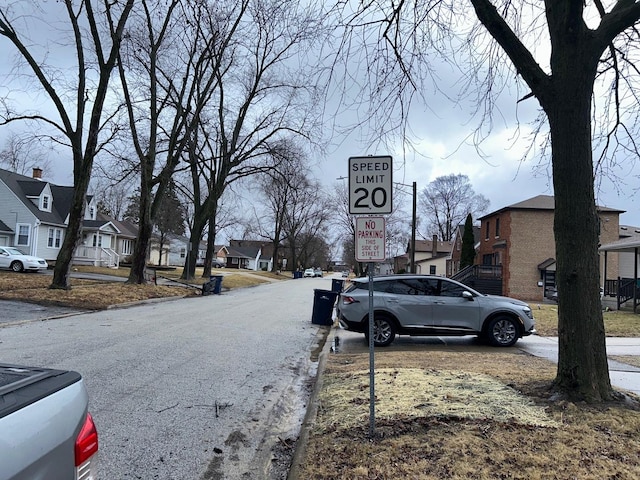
x=467, y=295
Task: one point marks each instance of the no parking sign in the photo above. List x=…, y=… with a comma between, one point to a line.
x=370, y=239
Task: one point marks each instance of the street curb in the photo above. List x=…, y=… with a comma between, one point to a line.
x=312, y=408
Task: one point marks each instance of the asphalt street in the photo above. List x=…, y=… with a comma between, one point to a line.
x=196, y=388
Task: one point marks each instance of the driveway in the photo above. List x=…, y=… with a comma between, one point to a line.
x=622, y=376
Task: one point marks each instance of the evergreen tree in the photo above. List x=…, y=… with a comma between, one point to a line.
x=468, y=254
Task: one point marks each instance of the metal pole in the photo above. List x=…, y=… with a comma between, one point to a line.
x=372, y=390
x=412, y=265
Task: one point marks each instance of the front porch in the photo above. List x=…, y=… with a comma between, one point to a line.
x=96, y=256
x=626, y=287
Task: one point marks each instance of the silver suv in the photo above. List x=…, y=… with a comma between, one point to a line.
x=432, y=306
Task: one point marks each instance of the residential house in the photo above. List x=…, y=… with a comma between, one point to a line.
x=175, y=250
x=518, y=242
x=250, y=254
x=431, y=256
x=35, y=213
x=400, y=262
x=625, y=286
x=453, y=262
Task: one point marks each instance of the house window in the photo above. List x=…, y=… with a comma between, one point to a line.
x=97, y=240
x=54, y=239
x=24, y=232
x=234, y=260
x=486, y=231
x=432, y=269
x=92, y=213
x=497, y=227
x=183, y=252
x=127, y=247
x=46, y=203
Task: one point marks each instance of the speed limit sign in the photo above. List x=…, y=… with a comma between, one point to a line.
x=370, y=181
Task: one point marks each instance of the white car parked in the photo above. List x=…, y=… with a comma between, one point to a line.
x=17, y=261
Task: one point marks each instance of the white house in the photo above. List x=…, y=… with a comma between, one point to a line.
x=34, y=215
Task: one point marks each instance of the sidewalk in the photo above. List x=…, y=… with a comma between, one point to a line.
x=623, y=376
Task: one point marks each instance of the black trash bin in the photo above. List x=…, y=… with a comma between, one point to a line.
x=337, y=284
x=323, y=301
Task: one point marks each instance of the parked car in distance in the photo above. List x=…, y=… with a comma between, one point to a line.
x=317, y=272
x=345, y=274
x=308, y=273
x=431, y=306
x=218, y=264
x=11, y=257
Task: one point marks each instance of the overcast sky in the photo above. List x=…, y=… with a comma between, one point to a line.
x=439, y=130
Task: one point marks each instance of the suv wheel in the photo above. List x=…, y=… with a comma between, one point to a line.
x=502, y=332
x=383, y=332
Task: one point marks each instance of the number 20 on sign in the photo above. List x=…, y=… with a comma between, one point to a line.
x=370, y=185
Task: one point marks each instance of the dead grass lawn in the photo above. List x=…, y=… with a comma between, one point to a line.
x=98, y=294
x=616, y=323
x=457, y=415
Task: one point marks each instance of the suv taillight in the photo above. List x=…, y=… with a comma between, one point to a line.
x=346, y=300
x=86, y=447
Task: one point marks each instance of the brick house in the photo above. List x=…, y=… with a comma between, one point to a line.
x=519, y=238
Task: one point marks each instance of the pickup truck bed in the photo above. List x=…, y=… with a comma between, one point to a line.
x=21, y=386
x=45, y=429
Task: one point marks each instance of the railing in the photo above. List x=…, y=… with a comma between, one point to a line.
x=97, y=256
x=628, y=290
x=490, y=272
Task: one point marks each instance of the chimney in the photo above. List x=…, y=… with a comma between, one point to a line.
x=37, y=173
x=434, y=246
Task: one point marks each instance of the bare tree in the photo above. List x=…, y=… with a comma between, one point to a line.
x=112, y=196
x=277, y=186
x=560, y=51
x=22, y=153
x=78, y=98
x=447, y=201
x=155, y=84
x=256, y=96
x=305, y=221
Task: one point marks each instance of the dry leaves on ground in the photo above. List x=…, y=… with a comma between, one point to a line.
x=455, y=414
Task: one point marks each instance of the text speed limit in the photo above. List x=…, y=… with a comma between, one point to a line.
x=370, y=185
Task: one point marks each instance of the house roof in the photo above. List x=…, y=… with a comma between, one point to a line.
x=624, y=245
x=427, y=246
x=26, y=187
x=629, y=231
x=541, y=202
x=4, y=228
x=243, y=252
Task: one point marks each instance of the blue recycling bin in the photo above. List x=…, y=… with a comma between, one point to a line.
x=217, y=286
x=337, y=285
x=323, y=301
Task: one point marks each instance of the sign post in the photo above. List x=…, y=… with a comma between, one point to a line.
x=370, y=193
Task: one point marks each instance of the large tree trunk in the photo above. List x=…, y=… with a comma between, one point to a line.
x=199, y=222
x=582, y=360
x=145, y=228
x=81, y=177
